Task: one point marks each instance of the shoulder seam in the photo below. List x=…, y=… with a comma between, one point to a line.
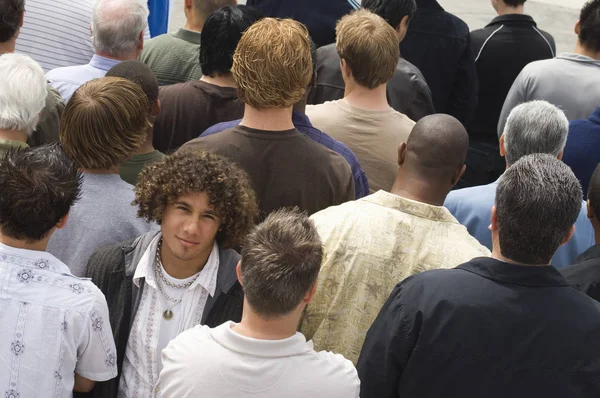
x=485, y=42
x=546, y=40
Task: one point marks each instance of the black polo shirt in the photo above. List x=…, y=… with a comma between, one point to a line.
x=584, y=274
x=484, y=329
x=502, y=49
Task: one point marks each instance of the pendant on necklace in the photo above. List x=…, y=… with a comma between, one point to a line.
x=168, y=314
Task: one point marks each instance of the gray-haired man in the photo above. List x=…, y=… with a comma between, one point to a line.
x=117, y=34
x=532, y=127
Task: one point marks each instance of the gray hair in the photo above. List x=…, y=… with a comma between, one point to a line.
x=117, y=25
x=535, y=127
x=538, y=200
x=23, y=91
x=281, y=260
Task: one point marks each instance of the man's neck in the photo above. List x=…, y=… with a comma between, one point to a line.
x=147, y=146
x=193, y=21
x=582, y=50
x=417, y=189
x=125, y=57
x=254, y=326
x=365, y=98
x=220, y=80
x=39, y=245
x=271, y=119
x=8, y=46
x=504, y=9
x=13, y=135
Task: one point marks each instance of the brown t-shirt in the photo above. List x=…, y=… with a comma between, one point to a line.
x=187, y=109
x=285, y=167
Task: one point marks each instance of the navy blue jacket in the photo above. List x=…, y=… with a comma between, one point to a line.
x=319, y=16
x=581, y=151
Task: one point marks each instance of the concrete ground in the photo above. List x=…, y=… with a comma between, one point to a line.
x=558, y=17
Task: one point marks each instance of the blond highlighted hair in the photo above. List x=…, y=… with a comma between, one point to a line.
x=272, y=64
x=370, y=47
x=104, y=122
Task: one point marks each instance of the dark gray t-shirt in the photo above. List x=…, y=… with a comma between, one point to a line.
x=104, y=215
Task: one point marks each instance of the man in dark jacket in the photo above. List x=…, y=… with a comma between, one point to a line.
x=584, y=274
x=319, y=16
x=438, y=43
x=501, y=49
x=407, y=91
x=165, y=282
x=506, y=326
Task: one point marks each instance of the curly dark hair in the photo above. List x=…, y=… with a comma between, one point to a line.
x=193, y=170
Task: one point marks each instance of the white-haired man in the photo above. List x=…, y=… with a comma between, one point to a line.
x=117, y=34
x=20, y=104
x=532, y=127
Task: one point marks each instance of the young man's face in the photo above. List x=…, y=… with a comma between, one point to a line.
x=189, y=226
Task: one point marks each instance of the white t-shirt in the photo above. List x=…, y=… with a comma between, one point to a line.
x=221, y=363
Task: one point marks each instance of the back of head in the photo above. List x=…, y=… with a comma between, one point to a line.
x=436, y=148
x=594, y=192
x=370, y=47
x=272, y=65
x=281, y=260
x=11, y=12
x=206, y=7
x=589, y=21
x=538, y=200
x=117, y=25
x=220, y=36
x=535, y=127
x=391, y=10
x=39, y=186
x=139, y=73
x=23, y=91
x=104, y=122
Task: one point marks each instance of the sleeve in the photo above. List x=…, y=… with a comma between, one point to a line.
x=422, y=102
x=388, y=345
x=515, y=96
x=463, y=98
x=97, y=355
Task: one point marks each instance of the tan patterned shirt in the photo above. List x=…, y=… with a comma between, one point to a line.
x=371, y=245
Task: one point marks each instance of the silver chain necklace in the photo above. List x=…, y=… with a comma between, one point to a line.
x=158, y=272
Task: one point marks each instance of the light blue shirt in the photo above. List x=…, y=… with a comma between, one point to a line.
x=68, y=79
x=472, y=207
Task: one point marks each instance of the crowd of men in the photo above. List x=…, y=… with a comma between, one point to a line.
x=397, y=208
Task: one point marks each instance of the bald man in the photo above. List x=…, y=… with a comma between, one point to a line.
x=373, y=243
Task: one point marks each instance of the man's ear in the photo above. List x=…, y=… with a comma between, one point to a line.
x=156, y=108
x=502, y=148
x=22, y=20
x=401, y=154
x=560, y=155
x=578, y=28
x=568, y=236
x=402, y=28
x=62, y=222
x=310, y=294
x=493, y=219
x=187, y=4
x=238, y=272
x=590, y=210
x=459, y=173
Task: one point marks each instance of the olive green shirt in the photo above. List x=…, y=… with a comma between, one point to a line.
x=130, y=170
x=174, y=57
x=6, y=145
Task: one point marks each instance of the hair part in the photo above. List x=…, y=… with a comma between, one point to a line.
x=192, y=170
x=105, y=122
x=391, y=10
x=23, y=92
x=369, y=46
x=117, y=25
x=220, y=36
x=272, y=65
x=538, y=200
x=39, y=186
x=11, y=13
x=535, y=127
x=280, y=262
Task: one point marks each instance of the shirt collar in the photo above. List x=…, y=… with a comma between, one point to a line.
x=513, y=19
x=596, y=116
x=578, y=58
x=418, y=209
x=35, y=259
x=12, y=143
x=188, y=35
x=514, y=274
x=103, y=63
x=591, y=253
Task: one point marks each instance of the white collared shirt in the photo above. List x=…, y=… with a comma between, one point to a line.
x=150, y=332
x=52, y=324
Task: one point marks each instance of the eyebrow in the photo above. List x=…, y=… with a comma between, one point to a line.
x=207, y=211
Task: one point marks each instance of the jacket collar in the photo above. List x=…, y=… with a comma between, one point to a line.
x=512, y=19
x=595, y=118
x=514, y=274
x=591, y=253
x=429, y=4
x=188, y=35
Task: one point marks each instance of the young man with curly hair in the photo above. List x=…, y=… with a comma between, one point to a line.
x=272, y=67
x=165, y=282
x=55, y=335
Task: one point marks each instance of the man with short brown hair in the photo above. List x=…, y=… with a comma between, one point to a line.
x=363, y=119
x=272, y=67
